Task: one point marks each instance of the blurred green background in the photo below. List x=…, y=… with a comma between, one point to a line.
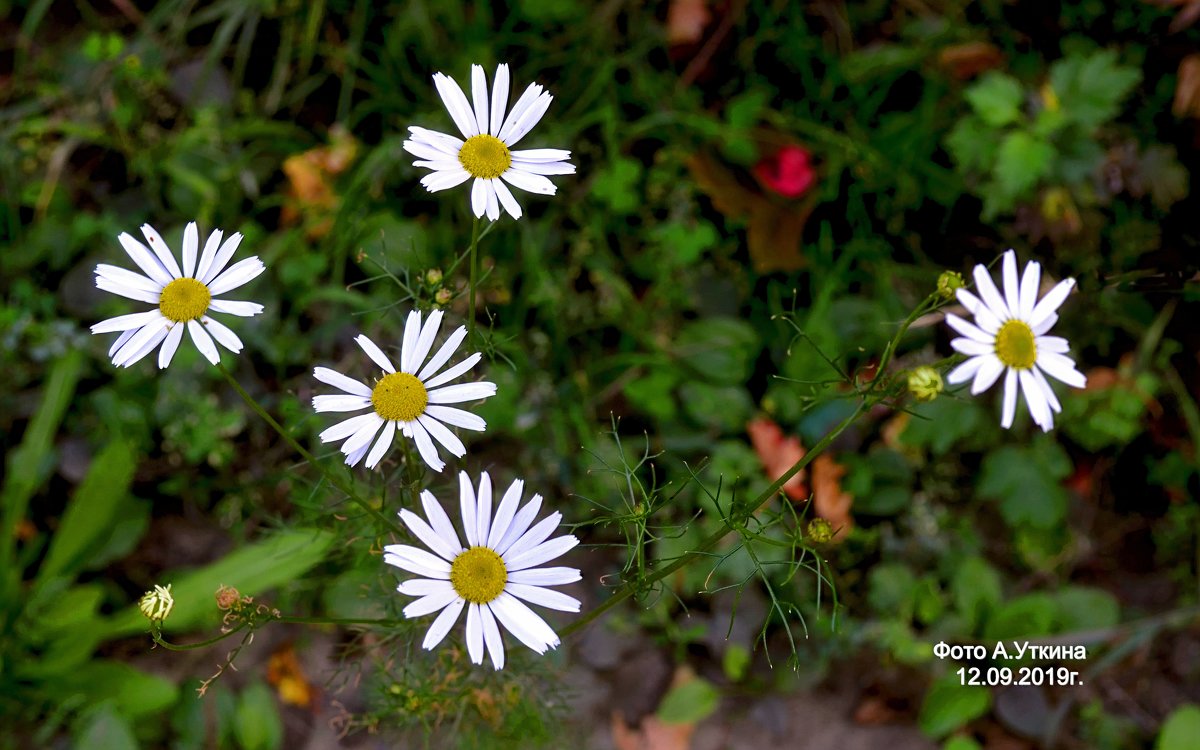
x=746, y=169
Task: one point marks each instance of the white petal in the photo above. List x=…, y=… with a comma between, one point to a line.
x=989, y=293
x=170, y=344
x=429, y=332
x=479, y=197
x=416, y=560
x=543, y=552
x=430, y=151
x=430, y=603
x=1051, y=399
x=532, y=538
x=493, y=206
x=474, y=634
x=456, y=394
x=444, y=164
x=425, y=447
x=969, y=330
x=1012, y=294
x=437, y=181
x=543, y=167
x=534, y=183
x=191, y=242
x=520, y=524
x=439, y=520
x=505, y=513
x=535, y=155
x=424, y=586
x=1036, y=401
x=412, y=331
x=444, y=436
x=1030, y=282
x=354, y=457
x=140, y=344
x=1010, y=399
x=210, y=252
x=989, y=372
x=506, y=198
x=1045, y=325
x=338, y=380
x=523, y=103
x=364, y=436
x=235, y=307
x=443, y=354
x=457, y=417
x=1051, y=302
x=128, y=278
x=443, y=547
x=1056, y=344
x=224, y=253
x=339, y=402
x=479, y=97
x=543, y=597
x=545, y=576
x=127, y=322
x=1061, y=368
x=456, y=104
x=972, y=348
x=203, y=342
x=441, y=626
x=523, y=623
x=381, y=445
x=442, y=141
x=237, y=275
x=375, y=353
x=161, y=250
x=129, y=292
x=528, y=119
x=499, y=99
x=491, y=636
x=965, y=371
x=348, y=427
x=222, y=334
x=483, y=508
x=124, y=337
x=466, y=506
x=145, y=260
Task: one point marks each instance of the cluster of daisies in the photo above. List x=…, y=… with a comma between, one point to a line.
x=495, y=575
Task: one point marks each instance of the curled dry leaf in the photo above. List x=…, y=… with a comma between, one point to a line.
x=829, y=500
x=310, y=193
x=778, y=453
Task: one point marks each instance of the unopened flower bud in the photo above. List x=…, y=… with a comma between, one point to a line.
x=820, y=531
x=157, y=604
x=925, y=383
x=433, y=276
x=949, y=283
x=443, y=296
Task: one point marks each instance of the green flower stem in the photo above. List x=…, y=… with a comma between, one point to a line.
x=156, y=635
x=332, y=478
x=377, y=622
x=474, y=261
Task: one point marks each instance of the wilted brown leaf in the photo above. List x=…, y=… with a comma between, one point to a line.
x=1187, y=87
x=686, y=20
x=829, y=501
x=286, y=675
x=311, y=197
x=778, y=454
x=969, y=59
x=652, y=734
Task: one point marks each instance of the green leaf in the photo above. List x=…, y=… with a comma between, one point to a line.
x=977, y=591
x=1180, y=730
x=1086, y=608
x=256, y=723
x=973, y=145
x=722, y=407
x=276, y=560
x=1090, y=88
x=735, y=662
x=721, y=350
x=961, y=743
x=653, y=393
x=617, y=185
x=107, y=729
x=1026, y=482
x=688, y=703
x=90, y=515
x=1026, y=616
x=892, y=589
x=1022, y=161
x=950, y=705
x=947, y=423
x=135, y=693
x=996, y=98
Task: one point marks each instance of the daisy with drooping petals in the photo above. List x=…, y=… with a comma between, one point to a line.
x=184, y=296
x=485, y=154
x=1009, y=337
x=412, y=398
x=491, y=575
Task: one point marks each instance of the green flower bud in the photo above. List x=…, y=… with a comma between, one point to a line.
x=157, y=604
x=925, y=383
x=948, y=283
x=820, y=531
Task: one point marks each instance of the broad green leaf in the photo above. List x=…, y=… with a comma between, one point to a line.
x=1027, y=482
x=688, y=703
x=977, y=591
x=1090, y=88
x=617, y=185
x=107, y=729
x=721, y=350
x=1026, y=616
x=653, y=393
x=1181, y=729
x=1086, y=608
x=961, y=743
x=134, y=692
x=258, y=567
x=892, y=589
x=256, y=723
x=973, y=145
x=996, y=98
x=950, y=705
x=735, y=662
x=723, y=407
x=91, y=513
x=1022, y=161
x=947, y=423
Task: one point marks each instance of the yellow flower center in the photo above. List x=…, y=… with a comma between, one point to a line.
x=183, y=300
x=1015, y=346
x=399, y=397
x=478, y=575
x=485, y=156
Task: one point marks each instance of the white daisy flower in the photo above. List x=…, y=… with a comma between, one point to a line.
x=1009, y=336
x=184, y=296
x=412, y=399
x=491, y=575
x=485, y=154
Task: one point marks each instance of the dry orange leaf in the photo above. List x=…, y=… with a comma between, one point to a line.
x=652, y=734
x=969, y=59
x=778, y=453
x=286, y=675
x=686, y=20
x=829, y=501
x=311, y=197
x=1187, y=87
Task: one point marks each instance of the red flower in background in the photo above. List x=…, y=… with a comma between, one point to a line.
x=789, y=172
